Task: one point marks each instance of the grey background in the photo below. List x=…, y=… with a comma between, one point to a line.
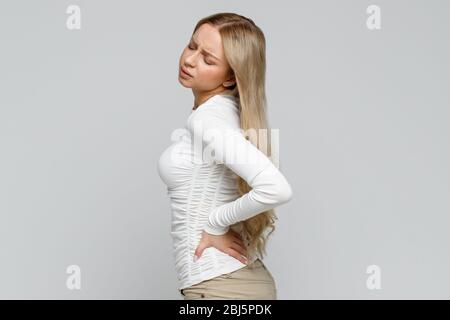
x=364, y=140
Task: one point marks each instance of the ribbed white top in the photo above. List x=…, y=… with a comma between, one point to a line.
x=200, y=170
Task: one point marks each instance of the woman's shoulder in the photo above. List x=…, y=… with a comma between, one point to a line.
x=217, y=112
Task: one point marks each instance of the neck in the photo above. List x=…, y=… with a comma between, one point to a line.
x=200, y=98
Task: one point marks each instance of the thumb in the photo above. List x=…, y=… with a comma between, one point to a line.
x=199, y=251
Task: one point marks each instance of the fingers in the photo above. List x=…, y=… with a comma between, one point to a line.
x=236, y=254
x=241, y=249
x=236, y=235
x=238, y=244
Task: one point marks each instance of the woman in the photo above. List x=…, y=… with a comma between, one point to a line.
x=222, y=206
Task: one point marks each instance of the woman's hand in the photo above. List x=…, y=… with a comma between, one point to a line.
x=231, y=243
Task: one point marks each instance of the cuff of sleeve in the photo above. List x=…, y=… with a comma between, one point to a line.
x=217, y=231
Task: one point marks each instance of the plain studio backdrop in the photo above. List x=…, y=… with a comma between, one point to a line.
x=364, y=141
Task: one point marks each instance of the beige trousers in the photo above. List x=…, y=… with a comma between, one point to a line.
x=250, y=283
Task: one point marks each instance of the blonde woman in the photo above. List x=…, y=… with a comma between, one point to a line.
x=222, y=206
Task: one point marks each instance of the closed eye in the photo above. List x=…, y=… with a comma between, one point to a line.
x=191, y=48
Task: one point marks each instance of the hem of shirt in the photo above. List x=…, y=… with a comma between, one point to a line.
x=217, y=272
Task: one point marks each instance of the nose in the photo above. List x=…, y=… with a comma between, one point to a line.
x=190, y=60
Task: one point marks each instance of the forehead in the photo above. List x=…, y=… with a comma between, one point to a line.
x=209, y=38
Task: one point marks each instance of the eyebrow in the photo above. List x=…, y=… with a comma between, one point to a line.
x=205, y=51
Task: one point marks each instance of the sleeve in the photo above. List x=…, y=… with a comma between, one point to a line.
x=226, y=144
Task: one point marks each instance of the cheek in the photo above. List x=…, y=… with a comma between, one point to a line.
x=212, y=74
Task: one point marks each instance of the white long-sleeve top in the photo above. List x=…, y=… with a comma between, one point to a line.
x=200, y=170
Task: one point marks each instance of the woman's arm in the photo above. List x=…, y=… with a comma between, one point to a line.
x=214, y=128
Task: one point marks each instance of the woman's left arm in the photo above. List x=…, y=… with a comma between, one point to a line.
x=269, y=186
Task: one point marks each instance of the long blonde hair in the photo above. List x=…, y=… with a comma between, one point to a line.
x=245, y=50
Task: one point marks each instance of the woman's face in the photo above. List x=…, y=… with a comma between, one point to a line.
x=203, y=58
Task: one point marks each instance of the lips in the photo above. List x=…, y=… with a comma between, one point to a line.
x=185, y=72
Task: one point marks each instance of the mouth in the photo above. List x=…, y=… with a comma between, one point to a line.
x=184, y=73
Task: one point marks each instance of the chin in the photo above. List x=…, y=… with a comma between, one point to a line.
x=184, y=82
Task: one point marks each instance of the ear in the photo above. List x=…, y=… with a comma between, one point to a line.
x=231, y=81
